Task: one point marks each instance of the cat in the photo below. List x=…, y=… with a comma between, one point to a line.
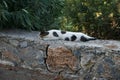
x=65, y=35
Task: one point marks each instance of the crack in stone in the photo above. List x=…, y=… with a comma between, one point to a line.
x=45, y=61
x=58, y=72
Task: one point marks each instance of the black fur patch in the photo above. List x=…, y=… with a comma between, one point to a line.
x=43, y=33
x=55, y=34
x=83, y=39
x=93, y=38
x=66, y=39
x=63, y=32
x=73, y=38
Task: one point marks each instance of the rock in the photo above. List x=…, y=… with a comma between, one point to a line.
x=8, y=55
x=100, y=69
x=86, y=60
x=5, y=62
x=60, y=59
x=13, y=73
x=23, y=44
x=14, y=42
x=24, y=52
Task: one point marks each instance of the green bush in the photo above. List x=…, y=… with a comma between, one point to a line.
x=29, y=14
x=100, y=18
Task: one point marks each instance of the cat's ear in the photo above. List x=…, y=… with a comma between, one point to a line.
x=43, y=33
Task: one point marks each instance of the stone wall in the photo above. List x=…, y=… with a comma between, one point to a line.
x=24, y=52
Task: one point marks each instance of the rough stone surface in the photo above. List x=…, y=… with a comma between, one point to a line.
x=25, y=56
x=60, y=58
x=13, y=73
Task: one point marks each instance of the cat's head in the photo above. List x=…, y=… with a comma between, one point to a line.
x=43, y=34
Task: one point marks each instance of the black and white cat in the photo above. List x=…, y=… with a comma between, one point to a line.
x=65, y=35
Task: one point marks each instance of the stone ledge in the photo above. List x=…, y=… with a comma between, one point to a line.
x=93, y=60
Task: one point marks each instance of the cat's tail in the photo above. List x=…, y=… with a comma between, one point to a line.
x=92, y=38
x=84, y=39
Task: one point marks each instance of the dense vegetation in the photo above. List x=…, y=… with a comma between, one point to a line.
x=100, y=18
x=29, y=14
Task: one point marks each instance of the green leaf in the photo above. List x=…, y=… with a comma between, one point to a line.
x=27, y=20
x=4, y=16
x=5, y=4
x=25, y=11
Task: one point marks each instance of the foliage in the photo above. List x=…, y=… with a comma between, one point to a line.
x=29, y=14
x=100, y=18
